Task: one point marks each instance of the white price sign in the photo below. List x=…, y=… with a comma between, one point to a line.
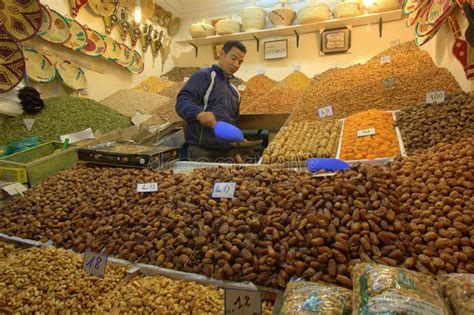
x=29, y=123
x=385, y=59
x=366, y=132
x=185, y=79
x=94, y=263
x=241, y=87
x=394, y=43
x=261, y=71
x=296, y=68
x=325, y=111
x=437, y=97
x=242, y=302
x=223, y=190
x=147, y=187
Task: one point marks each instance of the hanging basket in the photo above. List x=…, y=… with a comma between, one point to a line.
x=112, y=50
x=78, y=37
x=227, y=26
x=20, y=18
x=383, y=5
x=253, y=19
x=95, y=43
x=313, y=13
x=71, y=75
x=45, y=22
x=58, y=32
x=348, y=9
x=12, y=67
x=201, y=29
x=38, y=67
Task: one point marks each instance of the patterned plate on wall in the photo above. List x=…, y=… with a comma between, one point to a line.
x=103, y=7
x=71, y=75
x=126, y=56
x=112, y=50
x=78, y=37
x=38, y=67
x=138, y=64
x=12, y=63
x=20, y=18
x=58, y=32
x=95, y=43
x=440, y=10
x=45, y=21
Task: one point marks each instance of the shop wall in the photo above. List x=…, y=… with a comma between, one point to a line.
x=440, y=49
x=105, y=77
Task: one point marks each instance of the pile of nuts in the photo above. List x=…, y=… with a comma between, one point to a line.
x=153, y=85
x=177, y=74
x=128, y=102
x=168, y=112
x=423, y=127
x=383, y=144
x=173, y=91
x=255, y=87
x=279, y=100
x=436, y=197
x=296, y=81
x=398, y=84
x=52, y=280
x=303, y=140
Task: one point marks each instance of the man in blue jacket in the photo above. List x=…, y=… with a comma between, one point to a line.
x=207, y=97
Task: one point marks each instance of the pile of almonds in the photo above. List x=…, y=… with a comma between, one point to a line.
x=257, y=86
x=424, y=126
x=302, y=140
x=398, y=84
x=278, y=100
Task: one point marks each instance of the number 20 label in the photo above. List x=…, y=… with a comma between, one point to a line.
x=94, y=263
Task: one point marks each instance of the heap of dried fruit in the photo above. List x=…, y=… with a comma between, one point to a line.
x=153, y=85
x=278, y=100
x=128, y=102
x=255, y=87
x=296, y=81
x=177, y=74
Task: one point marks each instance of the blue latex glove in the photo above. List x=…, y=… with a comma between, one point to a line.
x=317, y=164
x=227, y=131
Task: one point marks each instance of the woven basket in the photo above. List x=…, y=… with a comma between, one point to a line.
x=201, y=29
x=383, y=5
x=38, y=67
x=282, y=15
x=317, y=12
x=71, y=75
x=347, y=9
x=227, y=26
x=253, y=19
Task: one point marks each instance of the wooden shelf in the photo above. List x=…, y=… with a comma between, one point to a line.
x=297, y=30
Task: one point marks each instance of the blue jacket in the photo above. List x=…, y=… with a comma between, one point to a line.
x=222, y=98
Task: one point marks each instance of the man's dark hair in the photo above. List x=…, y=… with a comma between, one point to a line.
x=234, y=43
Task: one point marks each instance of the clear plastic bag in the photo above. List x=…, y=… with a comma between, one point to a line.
x=304, y=297
x=380, y=289
x=458, y=288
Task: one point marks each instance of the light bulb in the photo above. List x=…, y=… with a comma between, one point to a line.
x=368, y=3
x=138, y=11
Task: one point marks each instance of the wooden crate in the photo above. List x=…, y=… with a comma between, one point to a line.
x=41, y=162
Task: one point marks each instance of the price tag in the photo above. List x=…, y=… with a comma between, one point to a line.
x=366, y=132
x=94, y=263
x=261, y=71
x=147, y=187
x=389, y=82
x=242, y=302
x=394, y=43
x=325, y=111
x=385, y=59
x=437, y=97
x=223, y=190
x=241, y=87
x=15, y=188
x=29, y=123
x=296, y=68
x=185, y=79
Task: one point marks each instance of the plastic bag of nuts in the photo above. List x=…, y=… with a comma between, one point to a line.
x=380, y=289
x=305, y=297
x=458, y=288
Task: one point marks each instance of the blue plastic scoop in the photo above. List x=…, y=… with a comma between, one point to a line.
x=227, y=131
x=329, y=164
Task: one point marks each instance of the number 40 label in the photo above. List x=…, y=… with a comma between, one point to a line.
x=223, y=190
x=94, y=263
x=242, y=302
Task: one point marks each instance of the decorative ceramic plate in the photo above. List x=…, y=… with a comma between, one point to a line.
x=138, y=64
x=78, y=37
x=173, y=27
x=112, y=50
x=38, y=67
x=45, y=22
x=103, y=7
x=12, y=64
x=126, y=56
x=422, y=26
x=77, y=5
x=439, y=10
x=59, y=32
x=95, y=43
x=71, y=75
x=20, y=18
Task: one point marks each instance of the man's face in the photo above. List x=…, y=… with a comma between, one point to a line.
x=231, y=61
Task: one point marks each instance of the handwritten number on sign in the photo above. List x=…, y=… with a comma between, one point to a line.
x=97, y=263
